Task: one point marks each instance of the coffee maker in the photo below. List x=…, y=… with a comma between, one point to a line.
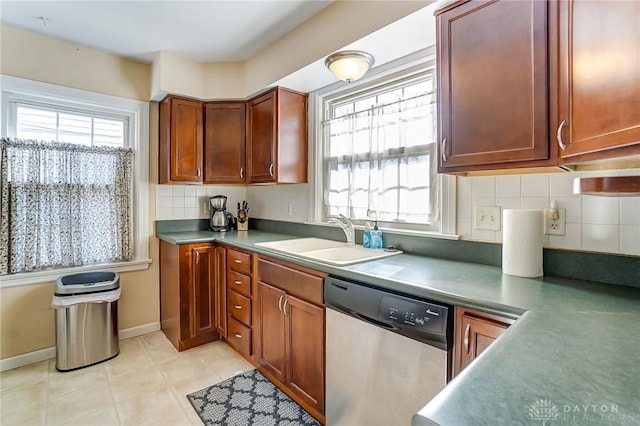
x=220, y=219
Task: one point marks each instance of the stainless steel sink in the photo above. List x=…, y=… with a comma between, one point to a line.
x=327, y=251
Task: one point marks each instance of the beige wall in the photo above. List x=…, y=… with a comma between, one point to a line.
x=35, y=57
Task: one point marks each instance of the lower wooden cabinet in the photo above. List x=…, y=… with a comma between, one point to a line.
x=239, y=301
x=474, y=332
x=221, y=291
x=188, y=294
x=290, y=331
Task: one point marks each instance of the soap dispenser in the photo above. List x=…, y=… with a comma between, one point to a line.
x=376, y=237
x=366, y=237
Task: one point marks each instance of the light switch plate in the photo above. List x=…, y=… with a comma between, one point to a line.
x=487, y=218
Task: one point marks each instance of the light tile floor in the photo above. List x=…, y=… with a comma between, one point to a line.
x=146, y=384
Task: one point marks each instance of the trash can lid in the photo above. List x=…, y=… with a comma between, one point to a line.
x=87, y=282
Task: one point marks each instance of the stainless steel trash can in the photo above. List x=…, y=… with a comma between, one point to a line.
x=86, y=307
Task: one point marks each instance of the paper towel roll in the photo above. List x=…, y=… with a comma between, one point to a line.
x=522, y=236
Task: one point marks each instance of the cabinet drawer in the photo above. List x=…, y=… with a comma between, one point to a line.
x=239, y=336
x=239, y=307
x=239, y=261
x=296, y=282
x=239, y=282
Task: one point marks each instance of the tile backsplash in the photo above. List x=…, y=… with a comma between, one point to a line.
x=191, y=201
x=593, y=223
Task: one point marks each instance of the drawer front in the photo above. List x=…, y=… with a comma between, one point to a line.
x=239, y=282
x=239, y=307
x=239, y=336
x=297, y=283
x=239, y=261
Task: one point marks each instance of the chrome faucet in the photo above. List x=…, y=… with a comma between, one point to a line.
x=346, y=226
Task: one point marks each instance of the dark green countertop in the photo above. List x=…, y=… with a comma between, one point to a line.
x=576, y=344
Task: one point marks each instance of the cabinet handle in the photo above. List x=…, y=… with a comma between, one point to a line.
x=466, y=338
x=237, y=260
x=280, y=303
x=237, y=306
x=559, y=135
x=271, y=170
x=197, y=256
x=238, y=335
x=444, y=147
x=198, y=171
x=237, y=282
x=284, y=306
x=241, y=172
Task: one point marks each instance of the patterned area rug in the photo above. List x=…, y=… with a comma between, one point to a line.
x=248, y=399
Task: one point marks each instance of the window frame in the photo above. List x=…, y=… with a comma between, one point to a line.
x=385, y=75
x=15, y=89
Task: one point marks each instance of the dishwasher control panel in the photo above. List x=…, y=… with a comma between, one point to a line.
x=413, y=313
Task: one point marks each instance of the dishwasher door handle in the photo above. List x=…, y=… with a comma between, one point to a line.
x=375, y=322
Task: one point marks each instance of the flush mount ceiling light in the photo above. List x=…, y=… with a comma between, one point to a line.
x=349, y=65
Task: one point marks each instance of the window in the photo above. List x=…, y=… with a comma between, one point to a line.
x=377, y=155
x=74, y=182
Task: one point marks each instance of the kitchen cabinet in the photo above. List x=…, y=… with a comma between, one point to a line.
x=598, y=92
x=290, y=331
x=475, y=331
x=221, y=290
x=180, y=136
x=224, y=142
x=188, y=293
x=277, y=137
x=533, y=84
x=492, y=85
x=239, y=304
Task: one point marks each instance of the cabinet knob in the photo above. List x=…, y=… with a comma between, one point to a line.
x=237, y=282
x=237, y=260
x=271, y=170
x=280, y=303
x=237, y=306
x=284, y=306
x=198, y=171
x=238, y=335
x=443, y=149
x=559, y=135
x=197, y=256
x=241, y=172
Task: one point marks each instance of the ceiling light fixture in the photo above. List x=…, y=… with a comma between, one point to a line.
x=349, y=65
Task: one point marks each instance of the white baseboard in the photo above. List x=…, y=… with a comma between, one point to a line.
x=49, y=353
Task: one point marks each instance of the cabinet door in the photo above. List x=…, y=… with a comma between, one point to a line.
x=305, y=346
x=262, y=138
x=599, y=80
x=221, y=290
x=271, y=346
x=180, y=152
x=203, y=291
x=475, y=332
x=224, y=142
x=492, y=85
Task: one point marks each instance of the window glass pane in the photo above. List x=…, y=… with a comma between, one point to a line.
x=37, y=124
x=108, y=132
x=74, y=129
x=381, y=143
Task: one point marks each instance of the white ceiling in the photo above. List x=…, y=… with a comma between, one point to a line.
x=205, y=31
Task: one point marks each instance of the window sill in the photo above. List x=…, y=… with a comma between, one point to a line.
x=28, y=278
x=412, y=232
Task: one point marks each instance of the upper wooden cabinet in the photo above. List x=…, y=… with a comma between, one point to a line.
x=224, y=142
x=180, y=136
x=277, y=137
x=524, y=84
x=598, y=93
x=492, y=82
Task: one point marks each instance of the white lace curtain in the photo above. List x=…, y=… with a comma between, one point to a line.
x=64, y=205
x=380, y=163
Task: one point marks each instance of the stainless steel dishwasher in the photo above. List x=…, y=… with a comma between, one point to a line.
x=387, y=354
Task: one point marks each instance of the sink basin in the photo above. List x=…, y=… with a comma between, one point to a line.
x=327, y=251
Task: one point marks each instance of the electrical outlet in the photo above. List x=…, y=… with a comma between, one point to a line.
x=554, y=221
x=487, y=218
